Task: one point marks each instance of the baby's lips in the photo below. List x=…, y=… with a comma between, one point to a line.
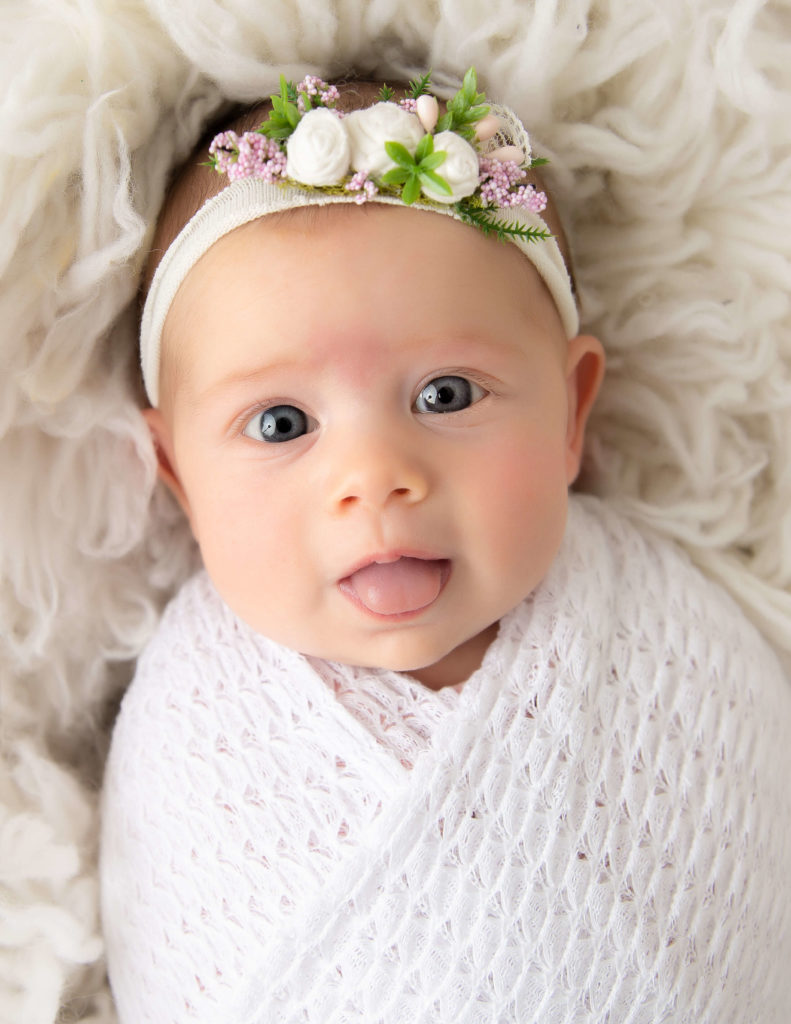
x=403, y=585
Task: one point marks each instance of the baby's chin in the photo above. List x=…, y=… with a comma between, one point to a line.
x=458, y=664
x=438, y=650
x=434, y=665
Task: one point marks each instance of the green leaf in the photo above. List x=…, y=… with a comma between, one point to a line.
x=425, y=148
x=411, y=191
x=284, y=116
x=465, y=109
x=433, y=160
x=396, y=176
x=456, y=105
x=288, y=90
x=275, y=132
x=385, y=94
x=400, y=155
x=466, y=132
x=437, y=181
x=538, y=161
x=469, y=87
x=288, y=94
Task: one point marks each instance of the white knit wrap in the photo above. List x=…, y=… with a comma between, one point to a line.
x=250, y=198
x=597, y=828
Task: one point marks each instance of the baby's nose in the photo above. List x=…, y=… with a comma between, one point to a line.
x=376, y=470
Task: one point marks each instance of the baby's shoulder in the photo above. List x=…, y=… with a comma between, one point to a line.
x=194, y=623
x=623, y=558
x=613, y=548
x=202, y=677
x=642, y=591
x=637, y=596
x=200, y=647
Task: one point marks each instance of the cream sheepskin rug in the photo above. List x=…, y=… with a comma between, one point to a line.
x=669, y=133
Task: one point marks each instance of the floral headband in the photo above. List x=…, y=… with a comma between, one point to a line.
x=470, y=163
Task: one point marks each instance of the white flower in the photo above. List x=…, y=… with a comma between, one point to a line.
x=318, y=149
x=459, y=168
x=370, y=129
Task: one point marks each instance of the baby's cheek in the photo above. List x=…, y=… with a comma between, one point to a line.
x=524, y=473
x=237, y=537
x=524, y=494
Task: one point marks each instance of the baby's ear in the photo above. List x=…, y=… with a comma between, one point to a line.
x=584, y=373
x=166, y=463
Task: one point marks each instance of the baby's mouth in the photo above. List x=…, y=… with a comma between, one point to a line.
x=399, y=586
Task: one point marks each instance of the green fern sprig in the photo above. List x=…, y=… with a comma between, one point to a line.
x=420, y=85
x=488, y=224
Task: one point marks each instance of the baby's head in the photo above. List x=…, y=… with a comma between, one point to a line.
x=370, y=412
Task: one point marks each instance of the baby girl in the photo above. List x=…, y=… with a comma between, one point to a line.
x=426, y=740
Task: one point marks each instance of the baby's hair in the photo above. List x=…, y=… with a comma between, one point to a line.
x=195, y=181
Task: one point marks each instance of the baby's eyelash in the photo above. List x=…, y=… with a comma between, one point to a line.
x=489, y=384
x=241, y=421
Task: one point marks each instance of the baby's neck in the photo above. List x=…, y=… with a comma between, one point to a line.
x=456, y=668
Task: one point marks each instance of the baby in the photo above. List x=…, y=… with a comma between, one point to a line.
x=426, y=740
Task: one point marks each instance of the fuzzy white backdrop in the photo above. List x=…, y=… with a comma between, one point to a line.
x=668, y=128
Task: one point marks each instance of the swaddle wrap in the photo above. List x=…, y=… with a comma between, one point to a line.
x=597, y=828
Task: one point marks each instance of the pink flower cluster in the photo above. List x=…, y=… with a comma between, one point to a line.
x=250, y=156
x=409, y=104
x=316, y=88
x=499, y=186
x=363, y=186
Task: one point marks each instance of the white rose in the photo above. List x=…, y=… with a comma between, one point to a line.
x=459, y=168
x=318, y=149
x=370, y=129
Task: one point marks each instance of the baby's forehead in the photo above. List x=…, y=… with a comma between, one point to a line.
x=288, y=249
x=280, y=306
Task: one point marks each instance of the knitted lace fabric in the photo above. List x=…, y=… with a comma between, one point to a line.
x=597, y=828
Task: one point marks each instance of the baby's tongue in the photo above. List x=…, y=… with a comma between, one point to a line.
x=389, y=588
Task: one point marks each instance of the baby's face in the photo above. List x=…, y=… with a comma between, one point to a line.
x=372, y=422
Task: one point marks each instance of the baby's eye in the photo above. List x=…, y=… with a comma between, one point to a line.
x=278, y=423
x=448, y=394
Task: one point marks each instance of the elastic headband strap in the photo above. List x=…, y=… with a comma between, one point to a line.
x=248, y=199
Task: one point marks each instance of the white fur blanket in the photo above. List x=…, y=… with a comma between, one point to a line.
x=592, y=831
x=668, y=130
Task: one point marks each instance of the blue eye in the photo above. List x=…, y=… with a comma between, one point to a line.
x=448, y=394
x=276, y=424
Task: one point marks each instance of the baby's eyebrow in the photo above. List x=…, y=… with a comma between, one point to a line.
x=241, y=378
